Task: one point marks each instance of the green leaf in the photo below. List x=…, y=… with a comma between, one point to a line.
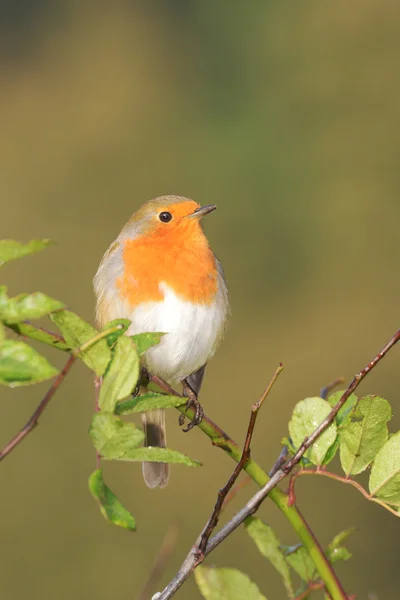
x=116, y=440
x=76, y=333
x=384, y=481
x=153, y=454
x=110, y=507
x=269, y=546
x=148, y=401
x=226, y=584
x=300, y=561
x=335, y=550
x=123, y=327
x=344, y=414
x=330, y=455
x=11, y=249
x=144, y=341
x=22, y=365
x=27, y=306
x=122, y=376
x=361, y=440
x=113, y=438
x=307, y=416
x=2, y=333
x=41, y=335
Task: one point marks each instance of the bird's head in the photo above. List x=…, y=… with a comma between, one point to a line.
x=167, y=217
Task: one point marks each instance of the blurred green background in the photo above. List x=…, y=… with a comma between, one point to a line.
x=285, y=115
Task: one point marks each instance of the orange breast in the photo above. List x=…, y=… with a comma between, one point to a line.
x=183, y=261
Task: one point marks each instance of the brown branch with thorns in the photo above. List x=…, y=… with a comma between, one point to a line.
x=196, y=557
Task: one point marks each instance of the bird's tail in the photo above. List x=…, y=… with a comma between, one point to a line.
x=155, y=473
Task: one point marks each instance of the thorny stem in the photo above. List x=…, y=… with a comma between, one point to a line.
x=33, y=421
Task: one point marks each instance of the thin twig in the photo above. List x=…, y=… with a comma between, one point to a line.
x=194, y=559
x=328, y=388
x=99, y=336
x=160, y=563
x=235, y=490
x=223, y=492
x=57, y=339
x=311, y=587
x=347, y=480
x=33, y=421
x=280, y=461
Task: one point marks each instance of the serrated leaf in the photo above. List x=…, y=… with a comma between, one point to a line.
x=269, y=546
x=41, y=335
x=307, y=416
x=76, y=333
x=144, y=341
x=226, y=584
x=330, y=455
x=300, y=561
x=344, y=414
x=12, y=250
x=361, y=440
x=148, y=401
x=22, y=365
x=110, y=507
x=153, y=454
x=113, y=438
x=27, y=306
x=123, y=327
x=122, y=375
x=384, y=481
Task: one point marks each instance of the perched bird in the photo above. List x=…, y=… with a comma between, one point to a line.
x=162, y=275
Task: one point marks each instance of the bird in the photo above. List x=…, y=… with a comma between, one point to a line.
x=161, y=274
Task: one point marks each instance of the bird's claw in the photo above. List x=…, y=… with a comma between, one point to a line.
x=198, y=414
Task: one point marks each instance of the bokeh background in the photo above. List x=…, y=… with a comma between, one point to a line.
x=285, y=115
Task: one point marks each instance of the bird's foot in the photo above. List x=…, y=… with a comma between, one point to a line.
x=192, y=402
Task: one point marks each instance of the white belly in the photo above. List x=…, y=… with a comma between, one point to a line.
x=192, y=333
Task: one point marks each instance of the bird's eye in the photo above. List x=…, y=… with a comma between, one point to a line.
x=165, y=217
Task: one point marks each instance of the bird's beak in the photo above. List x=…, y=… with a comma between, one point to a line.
x=201, y=211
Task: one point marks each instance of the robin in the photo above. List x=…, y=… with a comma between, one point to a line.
x=161, y=274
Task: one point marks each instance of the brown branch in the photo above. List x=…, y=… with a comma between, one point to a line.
x=167, y=547
x=193, y=559
x=341, y=479
x=33, y=421
x=222, y=494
